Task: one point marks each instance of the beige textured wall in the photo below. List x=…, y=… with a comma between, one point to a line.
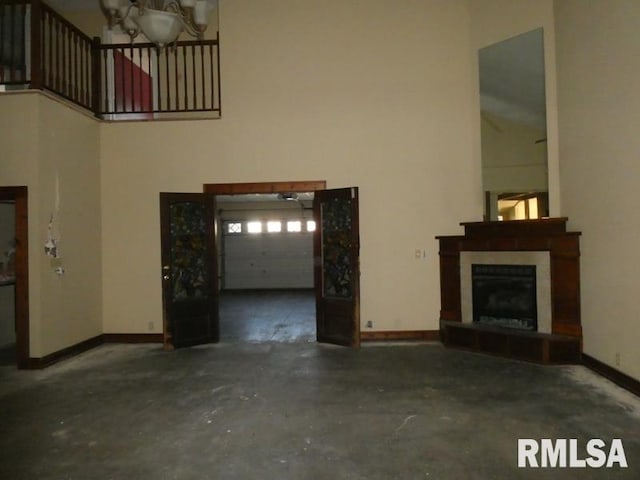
x=495, y=20
x=69, y=188
x=19, y=167
x=599, y=100
x=45, y=143
x=309, y=95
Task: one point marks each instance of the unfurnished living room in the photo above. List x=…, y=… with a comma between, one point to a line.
x=319, y=239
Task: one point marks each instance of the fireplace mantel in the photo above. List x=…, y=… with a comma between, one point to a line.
x=563, y=343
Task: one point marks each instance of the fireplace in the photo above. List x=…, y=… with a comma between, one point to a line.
x=505, y=296
x=530, y=269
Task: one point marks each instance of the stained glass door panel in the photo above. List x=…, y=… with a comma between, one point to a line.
x=336, y=251
x=188, y=269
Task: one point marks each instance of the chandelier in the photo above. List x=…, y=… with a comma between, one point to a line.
x=161, y=21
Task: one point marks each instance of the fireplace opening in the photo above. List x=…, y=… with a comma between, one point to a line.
x=505, y=296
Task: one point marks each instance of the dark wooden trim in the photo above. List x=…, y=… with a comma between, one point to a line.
x=132, y=338
x=19, y=195
x=96, y=77
x=55, y=357
x=621, y=379
x=267, y=290
x=536, y=347
x=264, y=187
x=36, y=45
x=35, y=363
x=401, y=335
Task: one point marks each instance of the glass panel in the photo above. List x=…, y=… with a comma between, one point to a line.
x=336, y=248
x=234, y=227
x=274, y=226
x=189, y=274
x=311, y=225
x=254, y=227
x=294, y=226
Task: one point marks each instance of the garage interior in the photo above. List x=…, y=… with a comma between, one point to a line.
x=265, y=262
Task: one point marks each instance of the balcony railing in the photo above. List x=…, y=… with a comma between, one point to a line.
x=39, y=49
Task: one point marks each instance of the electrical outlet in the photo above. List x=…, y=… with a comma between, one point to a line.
x=151, y=326
x=617, y=359
x=369, y=324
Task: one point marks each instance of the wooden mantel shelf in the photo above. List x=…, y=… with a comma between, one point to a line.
x=516, y=236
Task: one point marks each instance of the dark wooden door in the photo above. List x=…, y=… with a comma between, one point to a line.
x=189, y=269
x=337, y=266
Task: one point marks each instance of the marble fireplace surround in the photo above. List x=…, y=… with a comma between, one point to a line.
x=541, y=260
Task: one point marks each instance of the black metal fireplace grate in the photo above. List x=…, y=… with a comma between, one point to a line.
x=505, y=296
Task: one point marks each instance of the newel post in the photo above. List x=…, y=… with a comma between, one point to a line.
x=36, y=45
x=96, y=76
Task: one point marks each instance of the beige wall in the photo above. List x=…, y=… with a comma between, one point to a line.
x=307, y=95
x=495, y=20
x=599, y=100
x=54, y=151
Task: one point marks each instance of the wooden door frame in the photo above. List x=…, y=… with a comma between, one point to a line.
x=19, y=195
x=264, y=187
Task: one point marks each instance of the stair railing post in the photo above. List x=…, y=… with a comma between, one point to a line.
x=96, y=76
x=36, y=45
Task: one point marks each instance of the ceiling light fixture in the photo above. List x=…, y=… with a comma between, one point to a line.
x=161, y=21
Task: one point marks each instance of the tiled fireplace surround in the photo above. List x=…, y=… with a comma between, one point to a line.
x=555, y=253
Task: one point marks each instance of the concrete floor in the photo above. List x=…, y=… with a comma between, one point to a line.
x=300, y=410
x=268, y=316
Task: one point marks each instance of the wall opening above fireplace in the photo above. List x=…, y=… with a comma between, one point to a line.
x=504, y=296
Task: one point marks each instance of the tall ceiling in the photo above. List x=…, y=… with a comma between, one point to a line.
x=512, y=73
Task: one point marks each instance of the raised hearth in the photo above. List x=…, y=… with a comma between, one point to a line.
x=513, y=247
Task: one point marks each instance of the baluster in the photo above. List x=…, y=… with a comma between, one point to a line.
x=213, y=81
x=12, y=41
x=123, y=87
x=58, y=49
x=218, y=74
x=50, y=82
x=83, y=60
x=203, y=75
x=37, y=45
x=2, y=15
x=193, y=69
x=184, y=68
x=175, y=60
x=65, y=59
x=76, y=77
x=107, y=107
x=95, y=76
x=141, y=81
x=168, y=78
x=23, y=25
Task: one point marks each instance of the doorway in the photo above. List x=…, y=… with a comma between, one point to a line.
x=191, y=235
x=14, y=281
x=265, y=258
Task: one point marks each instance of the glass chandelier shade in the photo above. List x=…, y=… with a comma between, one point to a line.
x=161, y=21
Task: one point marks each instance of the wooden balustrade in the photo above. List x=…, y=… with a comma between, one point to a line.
x=114, y=81
x=140, y=81
x=13, y=55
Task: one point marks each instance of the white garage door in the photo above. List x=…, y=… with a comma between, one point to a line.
x=267, y=260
